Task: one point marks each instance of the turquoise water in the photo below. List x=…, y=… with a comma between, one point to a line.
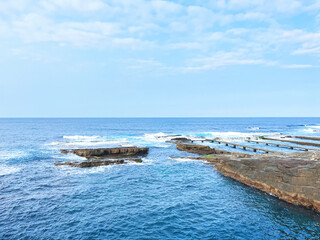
x=161, y=198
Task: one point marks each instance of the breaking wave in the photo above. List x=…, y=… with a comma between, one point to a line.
x=184, y=159
x=241, y=136
x=81, y=138
x=6, y=170
x=312, y=128
x=84, y=171
x=9, y=155
x=88, y=141
x=253, y=128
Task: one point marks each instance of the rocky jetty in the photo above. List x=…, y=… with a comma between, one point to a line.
x=198, y=149
x=104, y=153
x=294, y=178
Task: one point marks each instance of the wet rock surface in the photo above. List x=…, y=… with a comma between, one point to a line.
x=87, y=164
x=294, y=178
x=103, y=153
x=98, y=163
x=182, y=139
x=198, y=149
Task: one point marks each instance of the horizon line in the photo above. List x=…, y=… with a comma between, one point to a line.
x=151, y=117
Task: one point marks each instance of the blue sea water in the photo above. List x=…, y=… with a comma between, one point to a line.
x=162, y=198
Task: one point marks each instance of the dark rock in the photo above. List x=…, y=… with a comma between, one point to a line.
x=198, y=149
x=87, y=164
x=103, y=153
x=182, y=139
x=292, y=177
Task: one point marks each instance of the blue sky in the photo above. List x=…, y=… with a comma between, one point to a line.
x=152, y=58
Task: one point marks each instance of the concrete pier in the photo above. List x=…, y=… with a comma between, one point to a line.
x=292, y=141
x=307, y=138
x=282, y=145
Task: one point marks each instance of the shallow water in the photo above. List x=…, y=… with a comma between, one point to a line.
x=162, y=198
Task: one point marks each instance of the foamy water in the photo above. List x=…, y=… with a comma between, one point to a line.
x=6, y=170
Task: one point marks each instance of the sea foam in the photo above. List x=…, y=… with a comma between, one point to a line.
x=88, y=141
x=6, y=170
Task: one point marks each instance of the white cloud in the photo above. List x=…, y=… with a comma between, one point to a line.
x=186, y=45
x=307, y=51
x=270, y=6
x=37, y=28
x=143, y=63
x=79, y=5
x=9, y=6
x=298, y=66
x=33, y=55
x=236, y=31
x=164, y=7
x=3, y=27
x=222, y=58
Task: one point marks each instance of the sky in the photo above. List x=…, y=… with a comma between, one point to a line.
x=157, y=58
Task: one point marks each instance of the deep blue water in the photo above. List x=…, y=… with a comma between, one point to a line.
x=161, y=198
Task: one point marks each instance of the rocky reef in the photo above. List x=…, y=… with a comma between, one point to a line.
x=103, y=153
x=198, y=149
x=294, y=178
x=86, y=164
x=122, y=154
x=96, y=163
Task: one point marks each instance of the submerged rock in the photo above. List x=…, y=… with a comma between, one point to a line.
x=98, y=163
x=103, y=153
x=199, y=149
x=293, y=178
x=182, y=139
x=87, y=164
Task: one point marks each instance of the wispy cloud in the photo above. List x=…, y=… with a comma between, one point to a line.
x=92, y=5
x=212, y=34
x=221, y=59
x=298, y=66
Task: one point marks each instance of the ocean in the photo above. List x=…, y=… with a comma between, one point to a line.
x=161, y=198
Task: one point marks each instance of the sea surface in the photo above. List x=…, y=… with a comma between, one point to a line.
x=161, y=198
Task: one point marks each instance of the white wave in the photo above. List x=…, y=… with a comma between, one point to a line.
x=156, y=137
x=312, y=129
x=240, y=136
x=70, y=157
x=127, y=145
x=7, y=155
x=6, y=170
x=162, y=137
x=184, y=159
x=81, y=138
x=162, y=145
x=87, y=141
x=158, y=140
x=253, y=128
x=90, y=144
x=147, y=161
x=82, y=171
x=130, y=163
